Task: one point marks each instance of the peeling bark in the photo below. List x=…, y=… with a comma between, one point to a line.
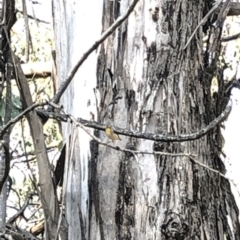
x=146, y=82
x=158, y=88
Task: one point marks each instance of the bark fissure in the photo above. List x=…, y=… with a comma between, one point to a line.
x=171, y=94
x=154, y=93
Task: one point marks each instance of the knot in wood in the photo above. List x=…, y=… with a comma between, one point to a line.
x=174, y=226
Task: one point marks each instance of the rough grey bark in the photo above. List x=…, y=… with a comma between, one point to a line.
x=145, y=81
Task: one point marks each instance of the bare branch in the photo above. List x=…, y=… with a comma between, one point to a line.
x=234, y=9
x=230, y=38
x=107, y=33
x=224, y=39
x=148, y=136
x=20, y=116
x=165, y=137
x=20, y=212
x=207, y=167
x=49, y=149
x=11, y=233
x=27, y=30
x=48, y=193
x=203, y=21
x=34, y=18
x=215, y=171
x=134, y=152
x=124, y=149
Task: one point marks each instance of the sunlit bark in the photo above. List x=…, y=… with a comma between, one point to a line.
x=143, y=80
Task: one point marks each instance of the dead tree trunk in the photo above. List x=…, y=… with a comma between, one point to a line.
x=145, y=79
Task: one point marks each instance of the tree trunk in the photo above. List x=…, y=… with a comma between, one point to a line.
x=143, y=80
x=73, y=36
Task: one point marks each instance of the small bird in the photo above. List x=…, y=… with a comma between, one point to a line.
x=111, y=134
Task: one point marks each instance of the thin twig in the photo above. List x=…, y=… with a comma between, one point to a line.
x=230, y=38
x=107, y=33
x=215, y=171
x=207, y=167
x=135, y=153
x=32, y=17
x=20, y=116
x=27, y=31
x=49, y=149
x=20, y=212
x=165, y=137
x=189, y=155
x=203, y=21
x=124, y=149
x=147, y=136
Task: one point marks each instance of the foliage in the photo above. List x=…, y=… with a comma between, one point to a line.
x=16, y=107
